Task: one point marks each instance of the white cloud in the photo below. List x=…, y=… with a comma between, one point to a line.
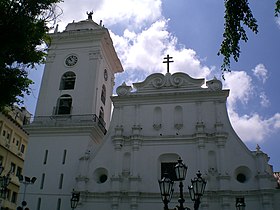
x=277, y=20
x=133, y=13
x=142, y=50
x=264, y=100
x=275, y=121
x=260, y=72
x=145, y=51
x=250, y=127
x=130, y=13
x=240, y=85
x=76, y=11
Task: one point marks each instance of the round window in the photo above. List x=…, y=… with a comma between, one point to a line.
x=100, y=175
x=241, y=178
x=103, y=178
x=243, y=174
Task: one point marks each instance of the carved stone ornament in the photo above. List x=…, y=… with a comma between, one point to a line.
x=214, y=84
x=157, y=126
x=178, y=126
x=123, y=89
x=169, y=81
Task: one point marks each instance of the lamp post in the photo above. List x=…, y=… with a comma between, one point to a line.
x=240, y=204
x=74, y=199
x=4, y=181
x=26, y=181
x=166, y=190
x=196, y=190
x=181, y=172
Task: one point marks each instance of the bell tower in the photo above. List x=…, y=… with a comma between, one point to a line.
x=79, y=73
x=73, y=111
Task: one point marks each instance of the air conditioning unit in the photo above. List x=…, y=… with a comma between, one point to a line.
x=7, y=145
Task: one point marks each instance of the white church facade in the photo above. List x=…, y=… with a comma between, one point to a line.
x=115, y=162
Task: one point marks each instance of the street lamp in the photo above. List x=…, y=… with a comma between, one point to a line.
x=181, y=172
x=240, y=204
x=166, y=190
x=75, y=199
x=26, y=181
x=196, y=190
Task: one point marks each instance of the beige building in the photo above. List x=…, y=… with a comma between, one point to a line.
x=13, y=143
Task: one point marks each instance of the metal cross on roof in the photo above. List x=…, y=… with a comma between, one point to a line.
x=168, y=60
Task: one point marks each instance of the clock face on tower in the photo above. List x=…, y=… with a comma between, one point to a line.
x=71, y=60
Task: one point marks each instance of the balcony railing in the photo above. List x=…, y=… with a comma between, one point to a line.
x=68, y=120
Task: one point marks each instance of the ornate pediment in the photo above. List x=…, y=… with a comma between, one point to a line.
x=177, y=82
x=169, y=81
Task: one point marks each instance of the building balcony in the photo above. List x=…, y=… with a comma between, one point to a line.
x=68, y=121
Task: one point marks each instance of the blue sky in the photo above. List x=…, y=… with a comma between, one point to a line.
x=144, y=31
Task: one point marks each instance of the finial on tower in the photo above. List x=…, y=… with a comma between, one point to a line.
x=90, y=15
x=168, y=60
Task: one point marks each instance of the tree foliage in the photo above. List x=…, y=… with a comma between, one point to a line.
x=277, y=8
x=237, y=15
x=23, y=26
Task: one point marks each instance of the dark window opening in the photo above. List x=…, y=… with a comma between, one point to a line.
x=39, y=204
x=19, y=171
x=58, y=204
x=169, y=169
x=101, y=117
x=101, y=113
x=103, y=178
x=64, y=156
x=241, y=178
x=22, y=148
x=42, y=181
x=103, y=94
x=60, y=181
x=14, y=197
x=67, y=81
x=64, y=104
x=13, y=167
x=46, y=157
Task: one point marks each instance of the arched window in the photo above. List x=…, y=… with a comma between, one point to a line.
x=103, y=94
x=157, y=118
x=67, y=81
x=178, y=117
x=64, y=104
x=167, y=163
x=101, y=113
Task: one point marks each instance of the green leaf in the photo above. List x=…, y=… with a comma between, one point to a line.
x=237, y=15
